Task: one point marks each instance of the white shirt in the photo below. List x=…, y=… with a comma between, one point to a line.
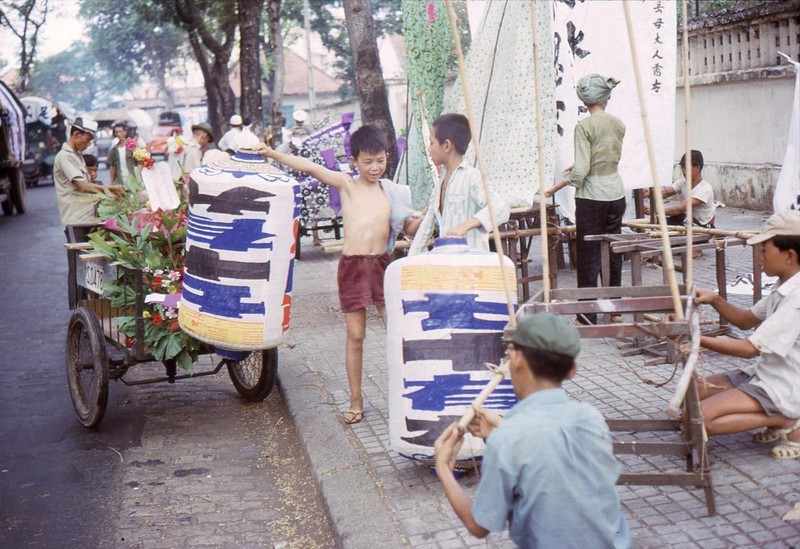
x=464, y=199
x=230, y=139
x=777, y=338
x=703, y=213
x=123, y=162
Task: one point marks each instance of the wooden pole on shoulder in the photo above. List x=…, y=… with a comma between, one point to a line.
x=540, y=155
x=498, y=245
x=669, y=265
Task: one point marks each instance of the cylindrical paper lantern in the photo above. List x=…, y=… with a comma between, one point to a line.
x=240, y=247
x=445, y=310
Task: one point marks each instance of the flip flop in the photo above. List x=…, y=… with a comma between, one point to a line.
x=786, y=450
x=352, y=416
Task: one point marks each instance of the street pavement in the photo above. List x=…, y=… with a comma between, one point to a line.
x=375, y=498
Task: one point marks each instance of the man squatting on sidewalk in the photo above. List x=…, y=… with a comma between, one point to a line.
x=373, y=212
x=768, y=394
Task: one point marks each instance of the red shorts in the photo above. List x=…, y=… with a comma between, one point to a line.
x=360, y=279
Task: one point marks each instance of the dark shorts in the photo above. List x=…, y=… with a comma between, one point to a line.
x=360, y=280
x=741, y=380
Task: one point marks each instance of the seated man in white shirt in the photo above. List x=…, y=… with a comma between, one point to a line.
x=703, y=206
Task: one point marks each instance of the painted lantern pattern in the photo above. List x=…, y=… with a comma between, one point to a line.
x=240, y=247
x=446, y=311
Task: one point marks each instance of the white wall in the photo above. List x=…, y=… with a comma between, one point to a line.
x=741, y=127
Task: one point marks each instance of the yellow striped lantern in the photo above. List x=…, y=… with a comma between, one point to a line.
x=445, y=311
x=240, y=247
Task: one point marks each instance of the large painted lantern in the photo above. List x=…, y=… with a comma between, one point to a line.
x=445, y=310
x=240, y=246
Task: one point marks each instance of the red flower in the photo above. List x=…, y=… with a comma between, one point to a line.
x=179, y=150
x=156, y=284
x=128, y=342
x=130, y=144
x=157, y=319
x=174, y=325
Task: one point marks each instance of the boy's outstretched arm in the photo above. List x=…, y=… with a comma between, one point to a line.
x=445, y=449
x=743, y=319
x=317, y=171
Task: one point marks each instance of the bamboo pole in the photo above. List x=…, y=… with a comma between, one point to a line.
x=744, y=235
x=540, y=156
x=469, y=415
x=674, y=406
x=669, y=265
x=498, y=245
x=688, y=163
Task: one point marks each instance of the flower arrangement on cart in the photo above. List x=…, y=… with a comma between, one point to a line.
x=135, y=236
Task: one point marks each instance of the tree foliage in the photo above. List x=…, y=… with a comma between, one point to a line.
x=25, y=18
x=73, y=76
x=131, y=38
x=327, y=21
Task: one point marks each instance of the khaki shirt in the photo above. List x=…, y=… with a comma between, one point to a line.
x=74, y=206
x=598, y=149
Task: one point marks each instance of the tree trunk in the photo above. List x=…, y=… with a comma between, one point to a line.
x=369, y=76
x=220, y=97
x=250, y=62
x=276, y=74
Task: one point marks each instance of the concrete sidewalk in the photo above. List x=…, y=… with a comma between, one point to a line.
x=378, y=499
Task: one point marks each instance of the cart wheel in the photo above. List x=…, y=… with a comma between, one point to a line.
x=254, y=376
x=87, y=367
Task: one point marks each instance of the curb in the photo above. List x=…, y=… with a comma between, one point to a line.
x=357, y=509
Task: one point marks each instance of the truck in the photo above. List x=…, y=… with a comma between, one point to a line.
x=12, y=152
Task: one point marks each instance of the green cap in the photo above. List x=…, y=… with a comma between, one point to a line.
x=547, y=332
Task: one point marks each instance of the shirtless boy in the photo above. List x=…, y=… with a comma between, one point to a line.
x=373, y=211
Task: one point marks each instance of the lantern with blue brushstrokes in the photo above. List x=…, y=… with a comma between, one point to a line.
x=240, y=247
x=445, y=311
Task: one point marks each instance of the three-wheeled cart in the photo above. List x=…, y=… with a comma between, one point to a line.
x=97, y=351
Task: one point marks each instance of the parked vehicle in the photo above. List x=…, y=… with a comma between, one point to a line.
x=41, y=116
x=169, y=124
x=12, y=152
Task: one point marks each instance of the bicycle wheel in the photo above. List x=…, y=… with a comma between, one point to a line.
x=87, y=367
x=254, y=375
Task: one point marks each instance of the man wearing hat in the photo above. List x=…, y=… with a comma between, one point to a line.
x=549, y=468
x=230, y=141
x=202, y=135
x=75, y=193
x=768, y=394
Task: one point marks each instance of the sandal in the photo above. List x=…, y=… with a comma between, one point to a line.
x=786, y=450
x=773, y=434
x=767, y=436
x=353, y=416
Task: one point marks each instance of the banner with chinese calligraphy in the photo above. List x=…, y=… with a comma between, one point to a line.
x=592, y=37
x=787, y=189
x=502, y=85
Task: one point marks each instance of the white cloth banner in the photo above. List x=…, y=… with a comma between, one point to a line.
x=787, y=190
x=592, y=37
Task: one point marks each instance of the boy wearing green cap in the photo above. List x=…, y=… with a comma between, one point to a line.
x=549, y=468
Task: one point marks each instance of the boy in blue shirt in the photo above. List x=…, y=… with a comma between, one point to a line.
x=549, y=468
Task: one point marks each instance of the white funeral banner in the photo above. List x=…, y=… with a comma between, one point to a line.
x=787, y=190
x=592, y=37
x=502, y=85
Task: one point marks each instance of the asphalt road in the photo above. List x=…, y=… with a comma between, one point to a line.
x=62, y=485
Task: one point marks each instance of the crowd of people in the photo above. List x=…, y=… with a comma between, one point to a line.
x=549, y=472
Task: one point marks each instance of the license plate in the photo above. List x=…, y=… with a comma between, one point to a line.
x=96, y=274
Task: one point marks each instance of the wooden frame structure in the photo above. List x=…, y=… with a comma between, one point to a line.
x=638, y=301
